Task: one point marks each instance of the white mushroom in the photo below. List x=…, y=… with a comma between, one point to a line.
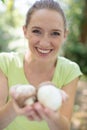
x=24, y=94
x=49, y=96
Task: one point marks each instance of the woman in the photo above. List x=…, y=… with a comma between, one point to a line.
x=45, y=29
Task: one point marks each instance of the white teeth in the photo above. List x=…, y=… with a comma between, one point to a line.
x=43, y=51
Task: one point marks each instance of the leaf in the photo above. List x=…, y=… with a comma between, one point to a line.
x=3, y=1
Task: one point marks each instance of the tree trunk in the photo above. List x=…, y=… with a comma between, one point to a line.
x=83, y=26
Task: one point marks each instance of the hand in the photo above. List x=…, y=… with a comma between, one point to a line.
x=19, y=110
x=45, y=113
x=23, y=94
x=39, y=112
x=51, y=117
x=27, y=110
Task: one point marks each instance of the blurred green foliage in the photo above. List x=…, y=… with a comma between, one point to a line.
x=3, y=0
x=74, y=48
x=77, y=52
x=10, y=20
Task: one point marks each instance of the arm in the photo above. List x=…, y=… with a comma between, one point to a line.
x=65, y=113
x=67, y=107
x=7, y=113
x=9, y=110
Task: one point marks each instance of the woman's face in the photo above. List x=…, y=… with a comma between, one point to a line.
x=45, y=34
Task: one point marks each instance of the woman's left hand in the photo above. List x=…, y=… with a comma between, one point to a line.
x=40, y=113
x=46, y=114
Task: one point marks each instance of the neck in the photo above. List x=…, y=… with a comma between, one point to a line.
x=39, y=66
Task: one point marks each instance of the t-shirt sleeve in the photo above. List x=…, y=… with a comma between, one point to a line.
x=72, y=71
x=4, y=63
x=65, y=72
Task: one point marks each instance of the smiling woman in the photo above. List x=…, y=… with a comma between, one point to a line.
x=45, y=30
x=45, y=38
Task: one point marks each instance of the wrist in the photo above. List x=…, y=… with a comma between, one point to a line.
x=61, y=123
x=11, y=108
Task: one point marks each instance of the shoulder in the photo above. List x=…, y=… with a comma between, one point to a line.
x=64, y=60
x=66, y=71
x=67, y=64
x=10, y=60
x=9, y=56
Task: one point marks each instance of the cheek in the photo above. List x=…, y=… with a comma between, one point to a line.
x=57, y=43
x=33, y=39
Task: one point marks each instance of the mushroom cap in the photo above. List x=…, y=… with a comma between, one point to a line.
x=49, y=96
x=22, y=94
x=25, y=90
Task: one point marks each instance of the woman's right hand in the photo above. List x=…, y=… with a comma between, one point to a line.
x=19, y=109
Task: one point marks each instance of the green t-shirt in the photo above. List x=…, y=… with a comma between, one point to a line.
x=11, y=65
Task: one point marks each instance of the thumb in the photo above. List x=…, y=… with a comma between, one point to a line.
x=65, y=96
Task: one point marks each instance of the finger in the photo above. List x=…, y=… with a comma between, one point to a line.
x=51, y=114
x=64, y=96
x=18, y=110
x=13, y=92
x=40, y=110
x=21, y=111
x=33, y=116
x=47, y=114
x=30, y=118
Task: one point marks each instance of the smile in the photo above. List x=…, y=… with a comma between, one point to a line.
x=43, y=51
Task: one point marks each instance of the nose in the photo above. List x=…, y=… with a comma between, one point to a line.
x=45, y=41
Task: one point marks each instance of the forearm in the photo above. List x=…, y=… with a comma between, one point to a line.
x=61, y=124
x=7, y=115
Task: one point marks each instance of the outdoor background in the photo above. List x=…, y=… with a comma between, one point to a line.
x=12, y=16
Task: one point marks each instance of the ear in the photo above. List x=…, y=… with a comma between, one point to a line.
x=66, y=34
x=25, y=31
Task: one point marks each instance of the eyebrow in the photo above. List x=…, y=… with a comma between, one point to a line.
x=36, y=27
x=57, y=30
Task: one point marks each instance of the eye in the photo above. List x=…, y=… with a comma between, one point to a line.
x=55, y=34
x=36, y=31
